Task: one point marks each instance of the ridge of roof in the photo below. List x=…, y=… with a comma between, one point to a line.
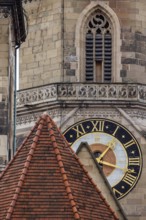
x=62, y=170
x=25, y=168
x=85, y=144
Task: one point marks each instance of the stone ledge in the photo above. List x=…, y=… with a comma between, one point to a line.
x=113, y=92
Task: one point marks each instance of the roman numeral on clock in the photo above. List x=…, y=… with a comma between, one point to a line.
x=116, y=130
x=79, y=130
x=117, y=192
x=134, y=161
x=97, y=126
x=129, y=143
x=129, y=179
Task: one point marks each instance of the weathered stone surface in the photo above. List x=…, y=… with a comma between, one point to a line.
x=7, y=62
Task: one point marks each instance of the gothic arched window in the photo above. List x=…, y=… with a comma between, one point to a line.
x=98, y=48
x=98, y=44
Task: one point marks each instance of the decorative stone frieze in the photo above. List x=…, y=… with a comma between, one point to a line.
x=79, y=91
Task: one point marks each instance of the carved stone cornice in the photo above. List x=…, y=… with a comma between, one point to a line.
x=92, y=93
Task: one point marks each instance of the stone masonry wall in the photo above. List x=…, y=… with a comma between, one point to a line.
x=6, y=83
x=132, y=18
x=72, y=10
x=41, y=54
x=4, y=48
x=49, y=53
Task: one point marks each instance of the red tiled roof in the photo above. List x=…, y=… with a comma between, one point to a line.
x=45, y=180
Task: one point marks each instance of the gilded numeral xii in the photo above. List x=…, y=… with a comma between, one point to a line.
x=97, y=126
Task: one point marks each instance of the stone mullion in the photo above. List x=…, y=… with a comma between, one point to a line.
x=94, y=55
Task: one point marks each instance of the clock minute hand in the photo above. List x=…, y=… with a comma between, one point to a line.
x=110, y=144
x=115, y=166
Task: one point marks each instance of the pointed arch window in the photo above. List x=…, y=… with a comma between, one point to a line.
x=98, y=51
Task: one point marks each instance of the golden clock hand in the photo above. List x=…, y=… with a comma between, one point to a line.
x=111, y=145
x=115, y=166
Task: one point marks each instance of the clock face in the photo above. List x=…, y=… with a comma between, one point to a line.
x=115, y=149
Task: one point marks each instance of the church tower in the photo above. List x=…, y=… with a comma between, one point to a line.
x=84, y=62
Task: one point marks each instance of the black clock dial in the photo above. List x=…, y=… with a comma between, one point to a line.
x=115, y=148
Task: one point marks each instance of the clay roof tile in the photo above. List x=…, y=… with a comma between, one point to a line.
x=46, y=180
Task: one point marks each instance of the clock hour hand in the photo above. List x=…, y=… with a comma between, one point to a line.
x=111, y=145
x=115, y=166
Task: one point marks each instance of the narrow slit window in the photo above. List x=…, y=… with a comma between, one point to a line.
x=98, y=71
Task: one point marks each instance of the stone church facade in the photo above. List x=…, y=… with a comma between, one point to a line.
x=84, y=63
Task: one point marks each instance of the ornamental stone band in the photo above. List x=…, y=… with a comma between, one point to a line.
x=78, y=91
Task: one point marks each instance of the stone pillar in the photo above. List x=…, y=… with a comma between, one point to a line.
x=7, y=61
